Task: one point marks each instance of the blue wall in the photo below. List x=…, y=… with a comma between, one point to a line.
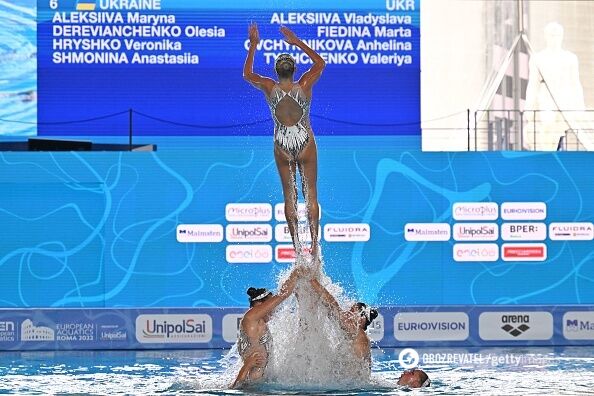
x=99, y=229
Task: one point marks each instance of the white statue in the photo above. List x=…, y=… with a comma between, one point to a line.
x=553, y=85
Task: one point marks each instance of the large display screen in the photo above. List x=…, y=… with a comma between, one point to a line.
x=178, y=64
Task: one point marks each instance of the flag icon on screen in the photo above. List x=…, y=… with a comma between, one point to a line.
x=85, y=5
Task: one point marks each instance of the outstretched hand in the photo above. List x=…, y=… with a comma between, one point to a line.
x=290, y=37
x=253, y=33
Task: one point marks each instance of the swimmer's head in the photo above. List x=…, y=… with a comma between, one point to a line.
x=257, y=295
x=414, y=378
x=553, y=35
x=285, y=66
x=366, y=314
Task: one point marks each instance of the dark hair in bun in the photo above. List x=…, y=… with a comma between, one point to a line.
x=369, y=314
x=256, y=294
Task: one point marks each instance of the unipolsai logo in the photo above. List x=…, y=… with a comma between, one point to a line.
x=113, y=333
x=174, y=328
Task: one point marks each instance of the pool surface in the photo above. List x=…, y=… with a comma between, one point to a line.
x=453, y=371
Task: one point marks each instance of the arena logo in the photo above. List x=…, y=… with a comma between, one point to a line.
x=199, y=233
x=7, y=331
x=249, y=232
x=31, y=332
x=113, y=333
x=524, y=252
x=248, y=212
x=571, y=231
x=578, y=325
x=495, y=326
x=475, y=252
x=523, y=211
x=475, y=211
x=166, y=328
x=347, y=232
x=75, y=332
x=279, y=212
x=523, y=231
x=283, y=234
x=253, y=254
x=476, y=232
x=512, y=328
x=425, y=232
x=431, y=326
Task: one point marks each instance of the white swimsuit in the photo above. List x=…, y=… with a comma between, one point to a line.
x=291, y=139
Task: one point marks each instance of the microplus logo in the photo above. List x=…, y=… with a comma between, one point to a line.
x=174, y=328
x=248, y=212
x=523, y=211
x=475, y=211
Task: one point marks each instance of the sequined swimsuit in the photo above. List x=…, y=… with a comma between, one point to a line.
x=292, y=139
x=244, y=344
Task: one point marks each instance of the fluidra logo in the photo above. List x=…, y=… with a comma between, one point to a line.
x=512, y=320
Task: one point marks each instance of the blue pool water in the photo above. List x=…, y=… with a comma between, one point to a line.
x=495, y=371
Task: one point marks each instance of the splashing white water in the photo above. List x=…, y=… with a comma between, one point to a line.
x=310, y=350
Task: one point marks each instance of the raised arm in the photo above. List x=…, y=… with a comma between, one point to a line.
x=285, y=291
x=309, y=78
x=262, y=83
x=328, y=299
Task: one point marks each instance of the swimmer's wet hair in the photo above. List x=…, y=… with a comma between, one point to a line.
x=369, y=313
x=257, y=294
x=287, y=68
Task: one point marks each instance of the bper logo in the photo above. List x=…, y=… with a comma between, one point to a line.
x=513, y=330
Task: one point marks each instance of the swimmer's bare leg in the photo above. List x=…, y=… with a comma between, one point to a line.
x=308, y=166
x=288, y=174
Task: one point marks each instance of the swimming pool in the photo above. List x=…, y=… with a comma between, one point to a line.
x=453, y=371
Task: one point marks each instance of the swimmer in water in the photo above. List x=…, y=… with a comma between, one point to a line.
x=294, y=143
x=414, y=378
x=255, y=341
x=353, y=321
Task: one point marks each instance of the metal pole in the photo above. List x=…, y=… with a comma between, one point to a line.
x=521, y=130
x=130, y=129
x=468, y=129
x=475, y=112
x=534, y=127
